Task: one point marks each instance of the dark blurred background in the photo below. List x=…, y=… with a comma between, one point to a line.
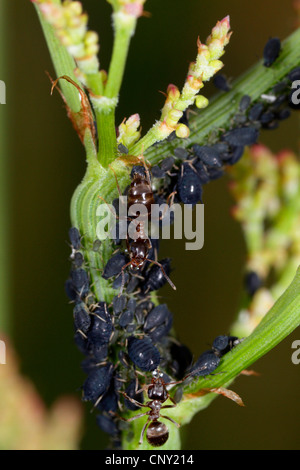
x=47, y=161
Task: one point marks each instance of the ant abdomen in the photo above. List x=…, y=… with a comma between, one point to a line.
x=157, y=434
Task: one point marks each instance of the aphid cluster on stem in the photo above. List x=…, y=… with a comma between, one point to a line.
x=128, y=339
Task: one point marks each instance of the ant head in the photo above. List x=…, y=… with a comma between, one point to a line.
x=157, y=374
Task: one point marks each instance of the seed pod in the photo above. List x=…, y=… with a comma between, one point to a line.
x=143, y=353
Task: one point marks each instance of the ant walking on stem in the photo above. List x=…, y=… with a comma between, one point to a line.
x=140, y=192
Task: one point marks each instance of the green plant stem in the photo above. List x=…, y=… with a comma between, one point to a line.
x=280, y=321
x=107, y=137
x=63, y=63
x=123, y=33
x=105, y=113
x=255, y=82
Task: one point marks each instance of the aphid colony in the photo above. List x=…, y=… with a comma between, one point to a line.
x=137, y=334
x=126, y=341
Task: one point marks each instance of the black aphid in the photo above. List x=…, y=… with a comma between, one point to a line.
x=255, y=111
x=208, y=155
x=122, y=149
x=223, y=344
x=131, y=391
x=157, y=172
x=125, y=318
x=70, y=290
x=154, y=278
x=244, y=103
x=220, y=82
x=241, y=136
x=294, y=74
x=99, y=351
x=181, y=153
x=156, y=317
x=107, y=424
x=74, y=236
x=167, y=164
x=101, y=327
x=160, y=331
x=143, y=353
x=119, y=303
x=271, y=51
x=189, y=187
x=252, y=282
x=80, y=281
x=97, y=383
x=78, y=259
x=96, y=245
x=82, y=319
x=205, y=365
x=114, y=265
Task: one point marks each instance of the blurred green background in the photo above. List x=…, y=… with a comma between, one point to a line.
x=46, y=162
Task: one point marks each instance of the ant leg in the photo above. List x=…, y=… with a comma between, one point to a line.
x=143, y=431
x=164, y=272
x=123, y=277
x=132, y=400
x=118, y=186
x=172, y=420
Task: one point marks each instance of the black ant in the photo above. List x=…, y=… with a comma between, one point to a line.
x=140, y=192
x=157, y=432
